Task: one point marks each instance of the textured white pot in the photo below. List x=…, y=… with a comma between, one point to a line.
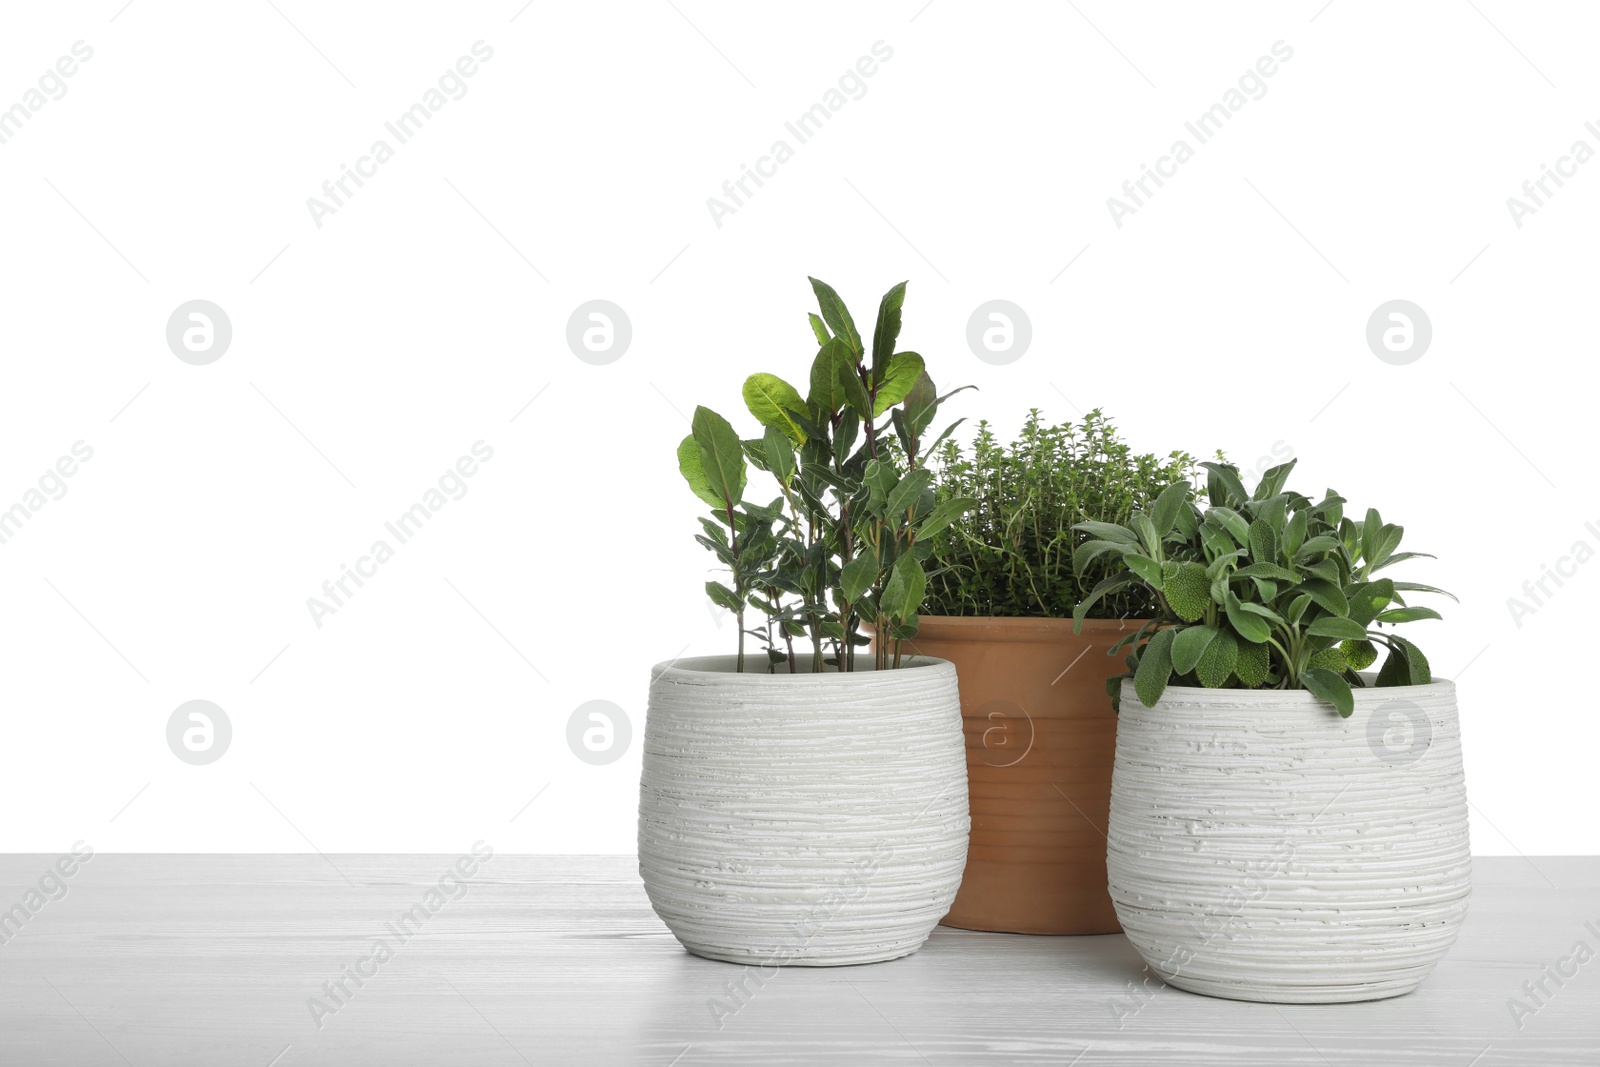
x=812, y=819
x=1262, y=848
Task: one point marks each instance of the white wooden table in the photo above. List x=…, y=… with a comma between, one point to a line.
x=212, y=960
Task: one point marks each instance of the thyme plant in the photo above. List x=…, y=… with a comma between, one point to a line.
x=1263, y=590
x=1011, y=554
x=846, y=538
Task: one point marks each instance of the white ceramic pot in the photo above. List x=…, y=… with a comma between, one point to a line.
x=812, y=819
x=1262, y=848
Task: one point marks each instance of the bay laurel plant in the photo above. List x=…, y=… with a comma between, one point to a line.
x=1259, y=590
x=845, y=540
x=1012, y=553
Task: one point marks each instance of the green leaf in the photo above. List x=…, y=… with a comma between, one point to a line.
x=773, y=401
x=1326, y=569
x=1327, y=595
x=1111, y=583
x=1217, y=660
x=1253, y=665
x=855, y=391
x=1325, y=685
x=779, y=454
x=1145, y=567
x=1251, y=627
x=1270, y=571
x=1359, y=654
x=1406, y=664
x=1140, y=524
x=827, y=387
x=1114, y=691
x=844, y=433
x=755, y=450
x=1231, y=521
x=836, y=315
x=1263, y=542
x=1225, y=477
x=721, y=456
x=1218, y=543
x=944, y=513
x=1266, y=590
x=1262, y=610
x=1189, y=645
x=1369, y=532
x=1108, y=531
x=937, y=441
x=905, y=495
x=1164, y=514
x=1384, y=544
x=1401, y=557
x=1271, y=483
x=1395, y=670
x=903, y=593
x=1416, y=587
x=1331, y=659
x=858, y=576
x=884, y=335
x=1188, y=591
x=921, y=403
x=818, y=328
x=1297, y=609
x=1092, y=550
x=1319, y=543
x=1155, y=668
x=1412, y=614
x=1367, y=599
x=880, y=479
x=1294, y=535
x=1337, y=628
x=902, y=373
x=722, y=596
x=1421, y=673
x=693, y=473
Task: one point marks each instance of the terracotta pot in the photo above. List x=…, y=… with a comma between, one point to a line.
x=1041, y=737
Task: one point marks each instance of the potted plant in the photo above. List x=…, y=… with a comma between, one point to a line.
x=1284, y=827
x=1040, y=730
x=807, y=803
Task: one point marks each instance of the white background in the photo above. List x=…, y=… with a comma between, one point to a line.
x=424, y=315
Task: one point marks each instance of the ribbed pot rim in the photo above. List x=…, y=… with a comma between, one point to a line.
x=1291, y=699
x=721, y=668
x=973, y=627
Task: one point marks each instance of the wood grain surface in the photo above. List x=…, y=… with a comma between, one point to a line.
x=151, y=959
